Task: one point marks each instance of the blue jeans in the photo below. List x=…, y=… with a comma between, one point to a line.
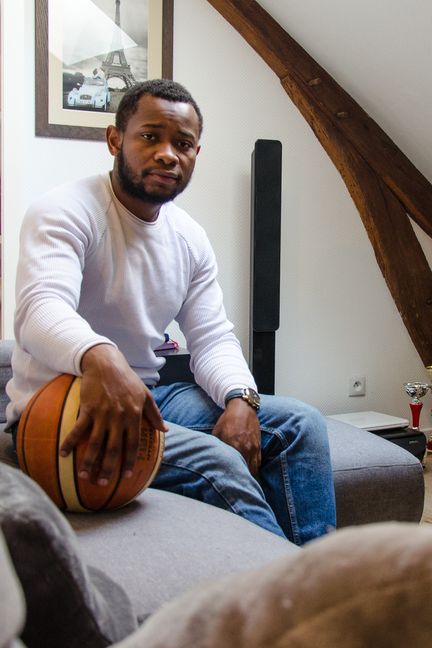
x=294, y=496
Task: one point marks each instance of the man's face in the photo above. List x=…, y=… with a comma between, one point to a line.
x=157, y=151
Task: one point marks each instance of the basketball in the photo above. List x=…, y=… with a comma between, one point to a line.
x=44, y=424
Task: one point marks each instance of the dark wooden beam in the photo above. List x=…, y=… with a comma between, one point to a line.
x=396, y=246
x=382, y=181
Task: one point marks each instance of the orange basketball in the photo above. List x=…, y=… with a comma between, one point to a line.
x=44, y=424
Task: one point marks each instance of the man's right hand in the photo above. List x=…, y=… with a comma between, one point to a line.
x=113, y=400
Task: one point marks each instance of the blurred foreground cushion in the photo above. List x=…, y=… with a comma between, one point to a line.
x=64, y=598
x=358, y=587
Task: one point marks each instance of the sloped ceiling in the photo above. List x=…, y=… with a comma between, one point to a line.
x=384, y=183
x=379, y=52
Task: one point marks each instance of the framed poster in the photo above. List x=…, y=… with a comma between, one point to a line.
x=88, y=53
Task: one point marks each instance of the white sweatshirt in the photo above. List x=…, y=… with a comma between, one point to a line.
x=90, y=271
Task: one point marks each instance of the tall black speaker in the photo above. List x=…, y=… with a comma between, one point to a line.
x=265, y=260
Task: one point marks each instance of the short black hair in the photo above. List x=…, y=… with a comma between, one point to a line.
x=162, y=88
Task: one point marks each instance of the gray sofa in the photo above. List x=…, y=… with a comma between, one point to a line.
x=163, y=544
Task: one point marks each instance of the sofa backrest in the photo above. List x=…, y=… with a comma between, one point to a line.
x=6, y=348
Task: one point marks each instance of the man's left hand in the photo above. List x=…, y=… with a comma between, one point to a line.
x=238, y=426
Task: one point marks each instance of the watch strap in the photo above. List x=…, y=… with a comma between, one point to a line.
x=247, y=394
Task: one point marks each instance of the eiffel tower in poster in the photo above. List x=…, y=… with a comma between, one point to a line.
x=115, y=64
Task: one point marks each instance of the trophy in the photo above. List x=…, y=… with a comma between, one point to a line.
x=416, y=390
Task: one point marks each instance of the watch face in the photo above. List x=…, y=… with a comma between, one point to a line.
x=252, y=398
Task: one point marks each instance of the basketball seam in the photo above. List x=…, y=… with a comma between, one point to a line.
x=114, y=490
x=24, y=467
x=58, y=442
x=161, y=444
x=157, y=463
x=159, y=459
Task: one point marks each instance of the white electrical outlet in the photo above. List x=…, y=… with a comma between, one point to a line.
x=357, y=386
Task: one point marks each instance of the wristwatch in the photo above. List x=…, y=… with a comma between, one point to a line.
x=247, y=394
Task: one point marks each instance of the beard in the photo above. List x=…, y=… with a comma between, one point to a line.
x=133, y=185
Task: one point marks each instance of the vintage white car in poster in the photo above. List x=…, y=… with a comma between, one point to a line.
x=93, y=94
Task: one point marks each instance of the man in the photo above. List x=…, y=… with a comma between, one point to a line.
x=106, y=263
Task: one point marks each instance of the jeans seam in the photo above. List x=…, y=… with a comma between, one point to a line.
x=289, y=500
x=278, y=434
x=287, y=490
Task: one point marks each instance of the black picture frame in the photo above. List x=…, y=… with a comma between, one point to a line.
x=44, y=127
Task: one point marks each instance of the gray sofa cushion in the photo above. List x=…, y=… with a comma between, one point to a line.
x=375, y=480
x=68, y=605
x=162, y=544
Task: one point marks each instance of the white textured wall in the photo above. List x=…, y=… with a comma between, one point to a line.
x=30, y=165
x=337, y=317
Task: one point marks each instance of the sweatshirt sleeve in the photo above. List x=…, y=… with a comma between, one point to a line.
x=216, y=356
x=53, y=246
